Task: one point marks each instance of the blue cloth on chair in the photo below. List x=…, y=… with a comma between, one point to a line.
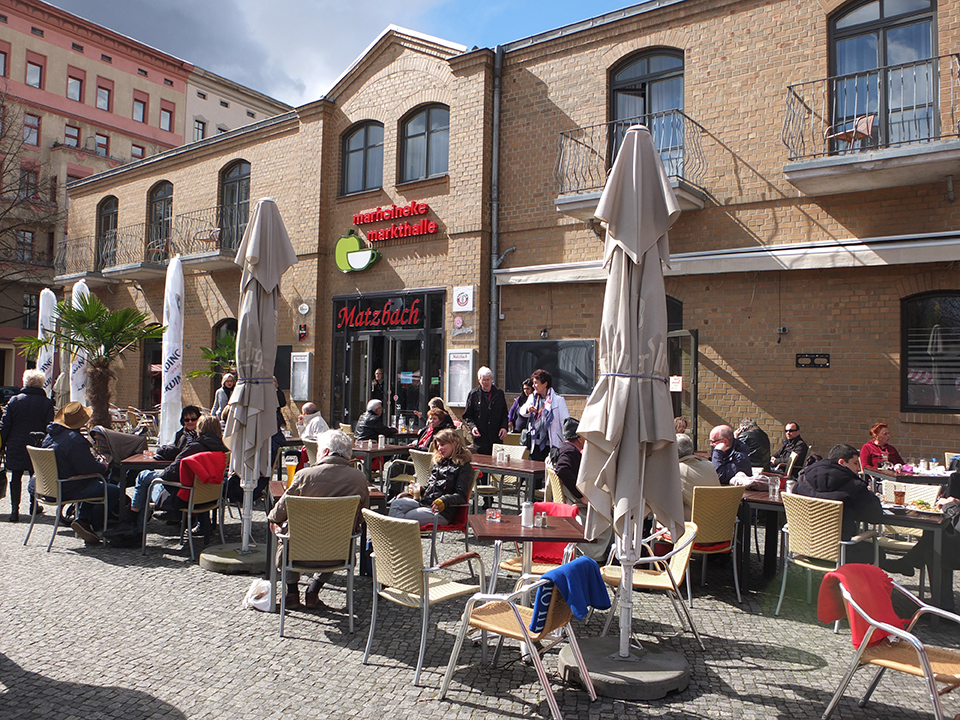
x=580, y=584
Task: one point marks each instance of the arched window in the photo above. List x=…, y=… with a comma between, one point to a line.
x=234, y=203
x=648, y=89
x=880, y=58
x=161, y=216
x=107, y=231
x=363, y=158
x=425, y=143
x=930, y=345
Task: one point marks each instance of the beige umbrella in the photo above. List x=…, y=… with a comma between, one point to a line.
x=629, y=459
x=265, y=253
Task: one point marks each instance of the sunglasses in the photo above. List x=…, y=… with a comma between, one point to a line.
x=792, y=430
x=190, y=419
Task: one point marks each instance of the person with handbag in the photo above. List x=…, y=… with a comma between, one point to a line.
x=546, y=411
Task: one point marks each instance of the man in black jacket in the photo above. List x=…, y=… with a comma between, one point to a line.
x=838, y=478
x=792, y=442
x=370, y=425
x=486, y=413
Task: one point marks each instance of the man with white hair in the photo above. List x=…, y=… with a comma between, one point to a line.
x=486, y=413
x=371, y=425
x=694, y=471
x=331, y=476
x=311, y=424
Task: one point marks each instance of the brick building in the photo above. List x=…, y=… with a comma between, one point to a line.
x=812, y=147
x=88, y=99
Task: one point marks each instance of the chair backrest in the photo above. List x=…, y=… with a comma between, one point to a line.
x=927, y=493
x=681, y=552
x=204, y=471
x=347, y=430
x=397, y=551
x=44, y=462
x=793, y=461
x=422, y=465
x=516, y=452
x=512, y=439
x=948, y=458
x=715, y=512
x=556, y=486
x=311, y=446
x=815, y=526
x=551, y=552
x=320, y=528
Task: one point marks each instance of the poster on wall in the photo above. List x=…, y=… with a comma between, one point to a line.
x=459, y=376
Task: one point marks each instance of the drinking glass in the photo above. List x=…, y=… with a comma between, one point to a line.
x=493, y=514
x=291, y=465
x=899, y=494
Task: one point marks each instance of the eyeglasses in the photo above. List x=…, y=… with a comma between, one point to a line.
x=190, y=419
x=791, y=430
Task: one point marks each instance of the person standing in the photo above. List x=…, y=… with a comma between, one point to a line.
x=486, y=413
x=516, y=422
x=28, y=412
x=546, y=412
x=377, y=391
x=222, y=396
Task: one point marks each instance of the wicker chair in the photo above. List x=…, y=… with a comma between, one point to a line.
x=558, y=491
x=902, y=650
x=347, y=429
x=714, y=513
x=319, y=538
x=311, y=448
x=501, y=615
x=899, y=540
x=497, y=483
x=49, y=485
x=416, y=469
x=812, y=538
x=662, y=573
x=546, y=555
x=400, y=576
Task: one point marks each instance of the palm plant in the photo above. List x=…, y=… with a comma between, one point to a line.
x=220, y=359
x=102, y=335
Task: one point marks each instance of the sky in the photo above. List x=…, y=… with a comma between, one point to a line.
x=294, y=50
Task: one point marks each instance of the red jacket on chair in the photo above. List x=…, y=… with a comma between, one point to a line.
x=207, y=466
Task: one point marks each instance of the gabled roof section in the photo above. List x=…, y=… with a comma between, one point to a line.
x=394, y=34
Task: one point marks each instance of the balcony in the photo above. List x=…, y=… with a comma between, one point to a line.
x=210, y=237
x=134, y=252
x=74, y=260
x=587, y=153
x=890, y=127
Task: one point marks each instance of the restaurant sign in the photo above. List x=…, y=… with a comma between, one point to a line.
x=390, y=314
x=401, y=229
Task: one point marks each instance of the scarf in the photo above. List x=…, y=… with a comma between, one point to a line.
x=542, y=420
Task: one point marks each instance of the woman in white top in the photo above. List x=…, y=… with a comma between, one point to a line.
x=546, y=412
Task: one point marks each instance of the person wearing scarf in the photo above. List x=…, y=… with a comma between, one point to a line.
x=545, y=411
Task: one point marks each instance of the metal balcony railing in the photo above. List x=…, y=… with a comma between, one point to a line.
x=143, y=243
x=891, y=106
x=212, y=229
x=74, y=256
x=587, y=153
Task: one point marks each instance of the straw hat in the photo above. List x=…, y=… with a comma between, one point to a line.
x=73, y=415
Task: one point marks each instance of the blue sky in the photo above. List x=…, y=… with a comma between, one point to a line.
x=295, y=49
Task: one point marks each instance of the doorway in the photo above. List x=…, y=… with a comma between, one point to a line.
x=683, y=349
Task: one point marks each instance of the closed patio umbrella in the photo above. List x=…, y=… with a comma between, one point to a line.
x=78, y=365
x=630, y=461
x=171, y=369
x=265, y=253
x=45, y=322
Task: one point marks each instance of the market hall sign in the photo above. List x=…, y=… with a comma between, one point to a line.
x=401, y=229
x=390, y=314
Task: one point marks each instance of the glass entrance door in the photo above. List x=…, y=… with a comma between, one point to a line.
x=682, y=353
x=400, y=356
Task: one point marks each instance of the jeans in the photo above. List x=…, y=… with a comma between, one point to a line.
x=410, y=509
x=86, y=487
x=140, y=489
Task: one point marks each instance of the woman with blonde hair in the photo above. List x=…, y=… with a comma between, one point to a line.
x=450, y=482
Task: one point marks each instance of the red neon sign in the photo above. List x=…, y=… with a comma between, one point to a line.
x=401, y=229
x=388, y=316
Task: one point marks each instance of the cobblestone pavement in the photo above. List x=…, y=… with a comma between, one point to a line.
x=107, y=633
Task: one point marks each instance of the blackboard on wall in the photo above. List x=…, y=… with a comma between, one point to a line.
x=571, y=363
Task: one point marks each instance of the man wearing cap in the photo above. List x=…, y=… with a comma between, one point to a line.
x=75, y=457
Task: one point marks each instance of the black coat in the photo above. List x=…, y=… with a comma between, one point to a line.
x=489, y=416
x=30, y=411
x=829, y=480
x=203, y=443
x=370, y=426
x=759, y=444
x=450, y=483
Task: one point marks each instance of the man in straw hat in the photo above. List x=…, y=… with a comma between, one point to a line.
x=75, y=457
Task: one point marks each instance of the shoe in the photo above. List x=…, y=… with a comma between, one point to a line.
x=313, y=601
x=898, y=566
x=84, y=530
x=35, y=507
x=14, y=516
x=292, y=600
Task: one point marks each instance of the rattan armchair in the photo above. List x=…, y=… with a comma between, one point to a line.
x=319, y=538
x=416, y=469
x=400, y=576
x=714, y=512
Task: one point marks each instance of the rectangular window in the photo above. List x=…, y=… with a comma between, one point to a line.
x=106, y=58
x=34, y=75
x=28, y=184
x=24, y=249
x=251, y=114
x=202, y=95
x=139, y=111
x=103, y=145
x=37, y=31
x=199, y=130
x=105, y=94
x=136, y=152
x=166, y=116
x=3, y=63
x=75, y=88
x=77, y=46
x=141, y=72
x=71, y=136
x=168, y=81
x=31, y=129
x=224, y=103
x=31, y=309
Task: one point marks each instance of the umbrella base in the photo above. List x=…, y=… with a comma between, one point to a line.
x=645, y=675
x=228, y=559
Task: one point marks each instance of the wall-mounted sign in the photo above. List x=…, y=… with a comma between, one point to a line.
x=391, y=314
x=352, y=255
x=463, y=298
x=397, y=230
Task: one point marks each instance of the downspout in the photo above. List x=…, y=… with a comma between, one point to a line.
x=495, y=215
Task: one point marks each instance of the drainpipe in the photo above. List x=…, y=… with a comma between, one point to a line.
x=495, y=215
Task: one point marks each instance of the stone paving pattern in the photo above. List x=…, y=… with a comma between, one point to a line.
x=95, y=632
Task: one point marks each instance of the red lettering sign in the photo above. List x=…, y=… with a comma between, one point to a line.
x=401, y=229
x=387, y=316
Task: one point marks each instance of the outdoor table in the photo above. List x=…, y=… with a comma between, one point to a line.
x=528, y=470
x=366, y=450
x=921, y=478
x=773, y=514
x=275, y=490
x=941, y=572
x=559, y=529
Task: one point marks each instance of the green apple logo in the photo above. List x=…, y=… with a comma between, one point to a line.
x=351, y=255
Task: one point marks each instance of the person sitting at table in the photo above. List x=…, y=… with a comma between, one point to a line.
x=681, y=423
x=756, y=440
x=370, y=425
x=567, y=468
x=792, y=443
x=878, y=449
x=729, y=455
x=838, y=478
x=515, y=421
x=310, y=424
x=75, y=457
x=209, y=439
x=331, y=476
x=435, y=423
x=695, y=471
x=187, y=433
x=451, y=479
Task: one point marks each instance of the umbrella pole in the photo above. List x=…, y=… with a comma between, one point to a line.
x=628, y=552
x=248, y=487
